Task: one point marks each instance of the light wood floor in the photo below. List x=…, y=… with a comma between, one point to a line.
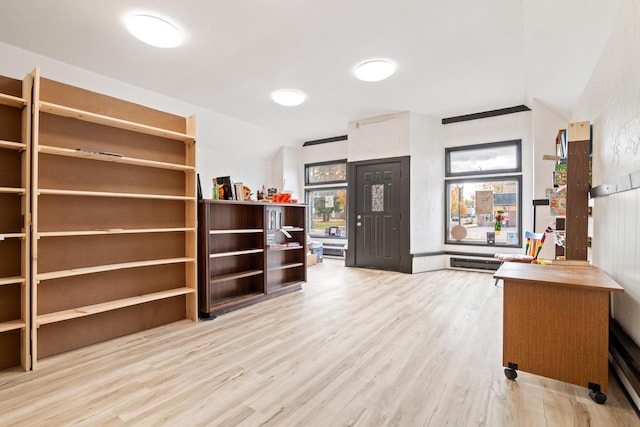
x=354, y=347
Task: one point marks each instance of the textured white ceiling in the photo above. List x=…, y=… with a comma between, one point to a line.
x=454, y=57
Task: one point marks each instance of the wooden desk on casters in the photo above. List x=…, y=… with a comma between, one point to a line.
x=556, y=323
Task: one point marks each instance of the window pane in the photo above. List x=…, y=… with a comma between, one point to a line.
x=485, y=212
x=478, y=160
x=328, y=212
x=377, y=198
x=327, y=173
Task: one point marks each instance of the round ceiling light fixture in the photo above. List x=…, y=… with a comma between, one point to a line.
x=154, y=31
x=288, y=97
x=375, y=70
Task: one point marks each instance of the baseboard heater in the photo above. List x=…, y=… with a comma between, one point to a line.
x=626, y=357
x=477, y=264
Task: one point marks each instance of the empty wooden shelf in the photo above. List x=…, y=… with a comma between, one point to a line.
x=114, y=217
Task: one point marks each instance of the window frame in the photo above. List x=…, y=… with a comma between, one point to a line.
x=494, y=175
x=329, y=162
x=336, y=185
x=310, y=210
x=517, y=143
x=447, y=229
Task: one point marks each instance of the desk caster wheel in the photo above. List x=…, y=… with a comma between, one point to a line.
x=595, y=393
x=598, y=397
x=511, y=374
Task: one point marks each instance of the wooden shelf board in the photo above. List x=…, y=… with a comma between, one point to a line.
x=234, y=253
x=284, y=248
x=281, y=287
x=231, y=301
x=12, y=145
x=236, y=231
x=109, y=267
x=275, y=230
x=14, y=190
x=12, y=101
x=109, y=306
x=13, y=235
x=16, y=280
x=233, y=276
x=11, y=325
x=44, y=191
x=86, y=116
x=111, y=231
x=285, y=266
x=68, y=152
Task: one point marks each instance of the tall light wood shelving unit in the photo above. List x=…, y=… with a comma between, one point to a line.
x=15, y=281
x=114, y=241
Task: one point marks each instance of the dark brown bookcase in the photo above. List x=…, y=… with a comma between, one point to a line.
x=245, y=254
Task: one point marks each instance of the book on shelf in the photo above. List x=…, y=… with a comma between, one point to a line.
x=238, y=191
x=275, y=220
x=223, y=184
x=560, y=175
x=558, y=202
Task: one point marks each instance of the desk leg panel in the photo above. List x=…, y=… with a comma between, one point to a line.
x=558, y=332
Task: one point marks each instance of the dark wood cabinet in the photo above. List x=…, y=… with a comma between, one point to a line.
x=249, y=251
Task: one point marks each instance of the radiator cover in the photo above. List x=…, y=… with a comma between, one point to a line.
x=477, y=264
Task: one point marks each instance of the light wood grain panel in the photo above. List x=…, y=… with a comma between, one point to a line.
x=11, y=101
x=354, y=347
x=586, y=278
x=557, y=332
x=64, y=111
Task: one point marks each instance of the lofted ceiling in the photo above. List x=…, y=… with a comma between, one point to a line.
x=454, y=57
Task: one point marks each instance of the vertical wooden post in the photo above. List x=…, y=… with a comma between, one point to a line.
x=578, y=140
x=191, y=206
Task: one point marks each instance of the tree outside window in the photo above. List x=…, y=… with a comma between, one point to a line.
x=328, y=212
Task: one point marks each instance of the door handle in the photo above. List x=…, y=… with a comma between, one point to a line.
x=359, y=224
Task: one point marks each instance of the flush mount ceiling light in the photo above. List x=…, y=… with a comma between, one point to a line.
x=288, y=97
x=374, y=70
x=154, y=31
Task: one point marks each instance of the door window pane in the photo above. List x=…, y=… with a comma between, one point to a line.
x=377, y=198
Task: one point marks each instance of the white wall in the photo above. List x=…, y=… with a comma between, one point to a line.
x=379, y=137
x=546, y=124
x=427, y=192
x=337, y=150
x=495, y=129
x=286, y=172
x=225, y=146
x=611, y=102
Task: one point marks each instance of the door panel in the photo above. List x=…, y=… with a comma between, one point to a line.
x=377, y=211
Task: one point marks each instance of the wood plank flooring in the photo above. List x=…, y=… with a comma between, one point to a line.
x=353, y=348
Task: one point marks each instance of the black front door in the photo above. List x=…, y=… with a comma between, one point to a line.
x=378, y=215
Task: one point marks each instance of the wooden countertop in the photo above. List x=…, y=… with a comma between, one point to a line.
x=572, y=276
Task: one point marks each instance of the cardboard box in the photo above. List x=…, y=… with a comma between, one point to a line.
x=318, y=251
x=312, y=259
